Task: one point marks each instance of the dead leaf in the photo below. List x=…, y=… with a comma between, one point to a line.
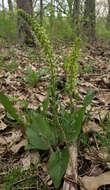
x=2, y=151
x=3, y=141
x=98, y=113
x=11, y=137
x=104, y=154
x=104, y=97
x=30, y=157
x=40, y=97
x=87, y=84
x=91, y=126
x=2, y=125
x=93, y=183
x=2, y=186
x=16, y=147
x=96, y=171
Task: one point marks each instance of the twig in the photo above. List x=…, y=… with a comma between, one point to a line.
x=70, y=179
x=22, y=180
x=28, y=188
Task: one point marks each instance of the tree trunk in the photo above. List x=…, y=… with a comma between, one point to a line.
x=76, y=12
x=41, y=12
x=3, y=4
x=24, y=33
x=3, y=7
x=70, y=3
x=89, y=20
x=108, y=16
x=52, y=14
x=10, y=5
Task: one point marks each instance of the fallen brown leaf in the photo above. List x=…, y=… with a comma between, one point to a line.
x=93, y=183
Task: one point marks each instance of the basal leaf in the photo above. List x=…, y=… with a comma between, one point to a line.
x=39, y=133
x=57, y=166
x=9, y=108
x=41, y=126
x=35, y=140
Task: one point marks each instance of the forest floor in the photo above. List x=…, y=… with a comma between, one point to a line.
x=94, y=149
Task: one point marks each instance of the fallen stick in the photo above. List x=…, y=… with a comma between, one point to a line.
x=70, y=178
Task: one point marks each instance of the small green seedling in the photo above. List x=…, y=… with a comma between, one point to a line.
x=33, y=77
